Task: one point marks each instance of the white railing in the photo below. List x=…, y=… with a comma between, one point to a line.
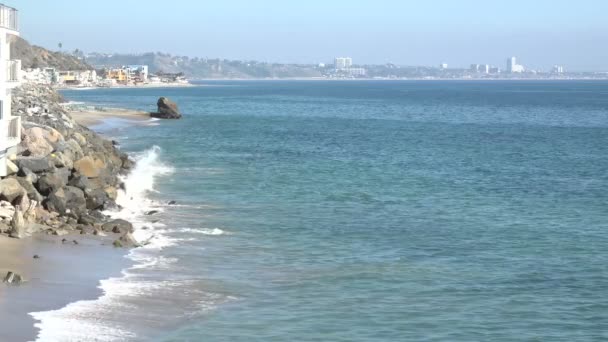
x=9, y=18
x=10, y=132
x=13, y=70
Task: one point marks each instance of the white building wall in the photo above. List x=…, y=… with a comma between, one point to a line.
x=10, y=128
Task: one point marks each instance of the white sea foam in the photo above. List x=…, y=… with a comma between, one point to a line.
x=79, y=321
x=204, y=231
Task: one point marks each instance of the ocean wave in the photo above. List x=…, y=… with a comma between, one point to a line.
x=78, y=321
x=204, y=231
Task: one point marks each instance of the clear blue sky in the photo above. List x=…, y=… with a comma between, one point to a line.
x=407, y=32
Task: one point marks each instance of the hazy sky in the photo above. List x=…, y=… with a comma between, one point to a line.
x=406, y=32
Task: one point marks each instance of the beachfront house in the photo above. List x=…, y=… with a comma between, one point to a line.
x=10, y=76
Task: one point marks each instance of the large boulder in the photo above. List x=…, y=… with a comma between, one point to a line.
x=30, y=189
x=69, y=201
x=117, y=226
x=96, y=198
x=53, y=181
x=10, y=190
x=127, y=241
x=35, y=164
x=35, y=143
x=167, y=109
x=81, y=182
x=89, y=166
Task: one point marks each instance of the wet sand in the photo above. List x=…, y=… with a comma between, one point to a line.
x=64, y=273
x=96, y=117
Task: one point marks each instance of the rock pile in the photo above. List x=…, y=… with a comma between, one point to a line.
x=64, y=175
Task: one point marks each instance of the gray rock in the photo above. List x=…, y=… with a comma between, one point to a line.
x=28, y=174
x=13, y=278
x=86, y=229
x=88, y=220
x=10, y=190
x=126, y=240
x=4, y=228
x=96, y=198
x=60, y=232
x=118, y=226
x=53, y=181
x=67, y=201
x=35, y=164
x=30, y=189
x=81, y=182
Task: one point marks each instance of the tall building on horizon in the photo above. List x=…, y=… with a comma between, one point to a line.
x=513, y=67
x=343, y=63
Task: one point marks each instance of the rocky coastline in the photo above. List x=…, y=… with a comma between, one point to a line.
x=64, y=175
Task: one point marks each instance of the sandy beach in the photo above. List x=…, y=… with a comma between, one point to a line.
x=63, y=273
x=91, y=118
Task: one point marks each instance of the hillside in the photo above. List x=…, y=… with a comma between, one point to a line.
x=33, y=56
x=204, y=68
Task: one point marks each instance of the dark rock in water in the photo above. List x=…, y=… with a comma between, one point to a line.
x=75, y=242
x=36, y=256
x=118, y=226
x=13, y=278
x=126, y=240
x=167, y=109
x=151, y=212
x=117, y=244
x=35, y=164
x=64, y=240
x=172, y=203
x=127, y=163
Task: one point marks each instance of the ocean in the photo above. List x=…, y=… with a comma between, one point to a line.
x=359, y=211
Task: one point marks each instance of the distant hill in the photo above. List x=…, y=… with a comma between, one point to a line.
x=33, y=56
x=204, y=68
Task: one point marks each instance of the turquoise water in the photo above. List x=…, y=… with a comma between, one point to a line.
x=372, y=211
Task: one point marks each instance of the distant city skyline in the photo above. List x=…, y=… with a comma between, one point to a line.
x=541, y=34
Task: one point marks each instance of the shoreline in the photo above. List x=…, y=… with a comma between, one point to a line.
x=94, y=117
x=120, y=86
